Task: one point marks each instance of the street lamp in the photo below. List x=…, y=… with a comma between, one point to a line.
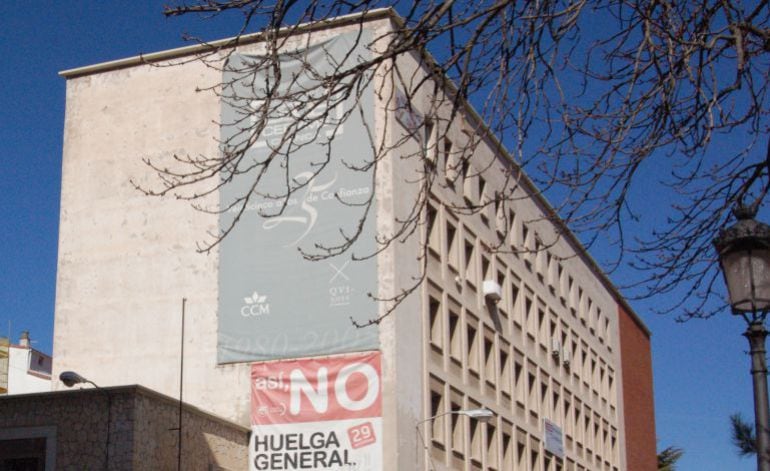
x=482, y=415
x=744, y=256
x=70, y=378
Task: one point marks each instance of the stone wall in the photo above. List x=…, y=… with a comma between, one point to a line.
x=143, y=430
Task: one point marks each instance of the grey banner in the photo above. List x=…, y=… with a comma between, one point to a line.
x=273, y=303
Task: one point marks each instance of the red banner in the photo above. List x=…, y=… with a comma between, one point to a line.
x=316, y=389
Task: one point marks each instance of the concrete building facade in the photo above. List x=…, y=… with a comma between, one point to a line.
x=559, y=350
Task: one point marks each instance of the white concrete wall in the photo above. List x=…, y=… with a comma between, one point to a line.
x=20, y=381
x=127, y=260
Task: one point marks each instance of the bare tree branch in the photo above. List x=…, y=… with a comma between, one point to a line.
x=588, y=96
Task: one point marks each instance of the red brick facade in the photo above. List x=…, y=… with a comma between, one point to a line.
x=638, y=407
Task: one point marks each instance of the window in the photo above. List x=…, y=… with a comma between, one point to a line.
x=532, y=391
x=555, y=402
x=475, y=436
x=455, y=347
x=521, y=450
x=586, y=372
x=486, y=269
x=484, y=200
x=568, y=417
x=541, y=265
x=516, y=305
x=469, y=182
x=513, y=235
x=27, y=448
x=500, y=222
x=470, y=263
x=555, y=345
x=578, y=421
x=436, y=324
x=553, y=274
x=592, y=316
x=575, y=364
x=534, y=461
x=473, y=347
x=491, y=446
x=529, y=318
x=428, y=141
x=505, y=369
x=542, y=333
x=450, y=165
x=524, y=237
x=507, y=450
x=490, y=372
x=452, y=246
x=432, y=232
x=518, y=378
x=437, y=408
x=458, y=435
x=604, y=390
x=502, y=306
x=23, y=454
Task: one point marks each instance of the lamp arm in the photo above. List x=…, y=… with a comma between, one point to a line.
x=437, y=416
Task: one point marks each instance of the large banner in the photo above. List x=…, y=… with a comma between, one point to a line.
x=273, y=303
x=317, y=414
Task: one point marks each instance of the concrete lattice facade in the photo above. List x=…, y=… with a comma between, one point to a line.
x=550, y=349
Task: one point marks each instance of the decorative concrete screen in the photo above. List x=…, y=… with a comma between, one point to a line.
x=273, y=302
x=318, y=413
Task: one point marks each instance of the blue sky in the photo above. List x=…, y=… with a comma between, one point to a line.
x=701, y=367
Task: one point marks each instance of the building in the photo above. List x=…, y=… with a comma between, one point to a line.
x=118, y=428
x=23, y=369
x=536, y=334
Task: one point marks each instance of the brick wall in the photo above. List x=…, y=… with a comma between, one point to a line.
x=639, y=411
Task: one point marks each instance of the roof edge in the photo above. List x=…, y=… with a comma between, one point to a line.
x=208, y=47
x=128, y=389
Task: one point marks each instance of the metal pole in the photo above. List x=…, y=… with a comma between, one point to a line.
x=756, y=335
x=109, y=422
x=181, y=386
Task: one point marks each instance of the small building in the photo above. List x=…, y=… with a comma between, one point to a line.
x=23, y=369
x=115, y=428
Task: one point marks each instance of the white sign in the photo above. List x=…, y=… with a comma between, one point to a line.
x=554, y=438
x=317, y=414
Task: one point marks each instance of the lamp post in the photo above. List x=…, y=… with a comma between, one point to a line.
x=482, y=415
x=70, y=378
x=744, y=257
